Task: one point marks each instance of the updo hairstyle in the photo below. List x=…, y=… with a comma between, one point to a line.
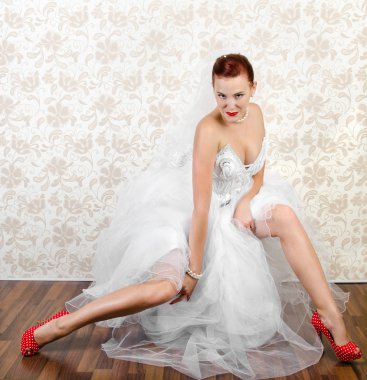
x=232, y=65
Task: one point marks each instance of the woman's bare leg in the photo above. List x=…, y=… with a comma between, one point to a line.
x=122, y=302
x=306, y=265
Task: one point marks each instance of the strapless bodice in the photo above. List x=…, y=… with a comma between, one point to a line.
x=231, y=177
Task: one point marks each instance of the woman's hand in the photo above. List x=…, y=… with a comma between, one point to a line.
x=188, y=287
x=243, y=214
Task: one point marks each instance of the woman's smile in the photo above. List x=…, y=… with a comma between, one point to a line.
x=232, y=114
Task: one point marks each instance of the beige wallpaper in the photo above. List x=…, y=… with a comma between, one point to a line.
x=87, y=85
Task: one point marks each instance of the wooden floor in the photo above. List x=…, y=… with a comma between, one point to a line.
x=79, y=356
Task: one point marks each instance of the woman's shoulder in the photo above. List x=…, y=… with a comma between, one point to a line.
x=257, y=119
x=255, y=109
x=208, y=131
x=209, y=123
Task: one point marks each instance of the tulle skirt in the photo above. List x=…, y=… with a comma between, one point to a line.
x=248, y=314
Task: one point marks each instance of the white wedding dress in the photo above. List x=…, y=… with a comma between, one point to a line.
x=248, y=314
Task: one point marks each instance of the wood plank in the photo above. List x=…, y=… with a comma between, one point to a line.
x=50, y=371
x=79, y=356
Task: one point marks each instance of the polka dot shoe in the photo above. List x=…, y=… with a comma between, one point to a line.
x=28, y=345
x=345, y=353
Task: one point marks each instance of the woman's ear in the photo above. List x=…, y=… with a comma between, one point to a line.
x=253, y=88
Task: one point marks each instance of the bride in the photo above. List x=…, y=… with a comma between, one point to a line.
x=218, y=231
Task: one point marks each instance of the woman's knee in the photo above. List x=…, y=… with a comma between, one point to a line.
x=283, y=217
x=161, y=291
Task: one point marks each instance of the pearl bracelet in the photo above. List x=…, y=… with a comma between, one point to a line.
x=192, y=274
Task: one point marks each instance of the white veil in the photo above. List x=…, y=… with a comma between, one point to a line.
x=180, y=129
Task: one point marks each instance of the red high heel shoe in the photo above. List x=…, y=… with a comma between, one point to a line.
x=345, y=353
x=28, y=345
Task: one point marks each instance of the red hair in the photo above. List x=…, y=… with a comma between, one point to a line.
x=231, y=65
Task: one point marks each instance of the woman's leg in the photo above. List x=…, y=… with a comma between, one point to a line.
x=303, y=259
x=122, y=302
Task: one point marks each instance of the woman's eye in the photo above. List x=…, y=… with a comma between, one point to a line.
x=239, y=95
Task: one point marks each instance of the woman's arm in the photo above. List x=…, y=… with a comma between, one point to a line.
x=257, y=133
x=242, y=211
x=258, y=179
x=204, y=153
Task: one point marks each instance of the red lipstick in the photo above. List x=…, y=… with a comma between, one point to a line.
x=231, y=113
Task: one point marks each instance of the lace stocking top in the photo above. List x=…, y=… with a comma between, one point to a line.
x=231, y=177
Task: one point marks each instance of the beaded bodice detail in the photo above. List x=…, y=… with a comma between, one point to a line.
x=231, y=177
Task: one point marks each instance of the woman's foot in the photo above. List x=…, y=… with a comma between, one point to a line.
x=39, y=335
x=334, y=322
x=48, y=332
x=331, y=324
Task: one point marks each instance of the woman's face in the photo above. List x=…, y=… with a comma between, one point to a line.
x=233, y=96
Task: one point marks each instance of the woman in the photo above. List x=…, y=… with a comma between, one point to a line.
x=247, y=312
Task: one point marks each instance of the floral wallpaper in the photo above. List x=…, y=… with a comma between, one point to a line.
x=87, y=86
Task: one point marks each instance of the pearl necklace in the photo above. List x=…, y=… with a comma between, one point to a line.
x=244, y=116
